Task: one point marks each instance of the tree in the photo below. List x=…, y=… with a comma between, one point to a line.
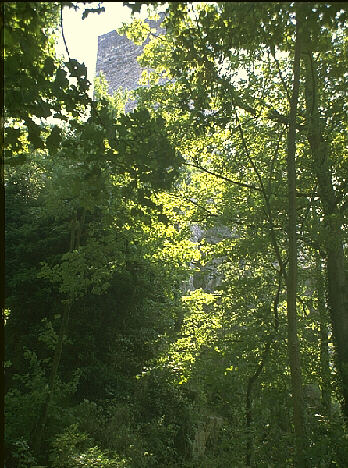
x=204, y=58
x=293, y=344
x=151, y=285
x=43, y=89
x=106, y=172
x=322, y=145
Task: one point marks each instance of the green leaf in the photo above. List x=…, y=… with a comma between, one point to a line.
x=49, y=66
x=61, y=80
x=162, y=218
x=34, y=134
x=54, y=139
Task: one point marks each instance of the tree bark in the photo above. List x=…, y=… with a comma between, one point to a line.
x=253, y=378
x=333, y=219
x=293, y=344
x=43, y=412
x=324, y=342
x=2, y=241
x=41, y=424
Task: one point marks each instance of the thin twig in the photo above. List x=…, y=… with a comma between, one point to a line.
x=268, y=211
x=220, y=176
x=281, y=76
x=63, y=36
x=308, y=209
x=273, y=161
x=189, y=200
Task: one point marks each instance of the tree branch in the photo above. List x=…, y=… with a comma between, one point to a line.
x=281, y=76
x=220, y=176
x=63, y=36
x=189, y=200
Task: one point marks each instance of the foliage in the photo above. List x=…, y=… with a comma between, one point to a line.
x=163, y=233
x=72, y=449
x=43, y=89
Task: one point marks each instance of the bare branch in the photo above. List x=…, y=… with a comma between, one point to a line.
x=220, y=176
x=63, y=36
x=189, y=200
x=281, y=76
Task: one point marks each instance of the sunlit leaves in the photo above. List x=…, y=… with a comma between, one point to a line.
x=198, y=331
x=36, y=84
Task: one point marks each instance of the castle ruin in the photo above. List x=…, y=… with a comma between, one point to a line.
x=117, y=59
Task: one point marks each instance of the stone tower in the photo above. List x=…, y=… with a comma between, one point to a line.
x=117, y=58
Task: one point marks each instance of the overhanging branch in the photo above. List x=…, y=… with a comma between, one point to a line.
x=220, y=176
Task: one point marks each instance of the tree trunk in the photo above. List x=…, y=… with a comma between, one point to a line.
x=249, y=400
x=2, y=241
x=41, y=424
x=333, y=219
x=324, y=342
x=43, y=412
x=253, y=378
x=293, y=345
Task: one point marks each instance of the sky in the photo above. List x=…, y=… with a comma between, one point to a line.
x=82, y=35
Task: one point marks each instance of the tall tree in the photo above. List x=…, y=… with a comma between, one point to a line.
x=210, y=45
x=151, y=370
x=293, y=342
x=331, y=194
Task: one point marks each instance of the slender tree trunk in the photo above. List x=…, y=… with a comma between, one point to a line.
x=253, y=378
x=324, y=342
x=249, y=417
x=293, y=344
x=248, y=421
x=333, y=219
x=43, y=413
x=41, y=424
x=2, y=238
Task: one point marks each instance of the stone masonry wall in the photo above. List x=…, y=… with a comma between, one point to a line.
x=117, y=58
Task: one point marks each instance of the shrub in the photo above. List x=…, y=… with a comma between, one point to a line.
x=72, y=449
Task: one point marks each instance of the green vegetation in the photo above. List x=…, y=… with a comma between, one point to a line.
x=176, y=277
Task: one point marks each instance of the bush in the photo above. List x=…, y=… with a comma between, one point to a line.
x=21, y=453
x=96, y=458
x=72, y=449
